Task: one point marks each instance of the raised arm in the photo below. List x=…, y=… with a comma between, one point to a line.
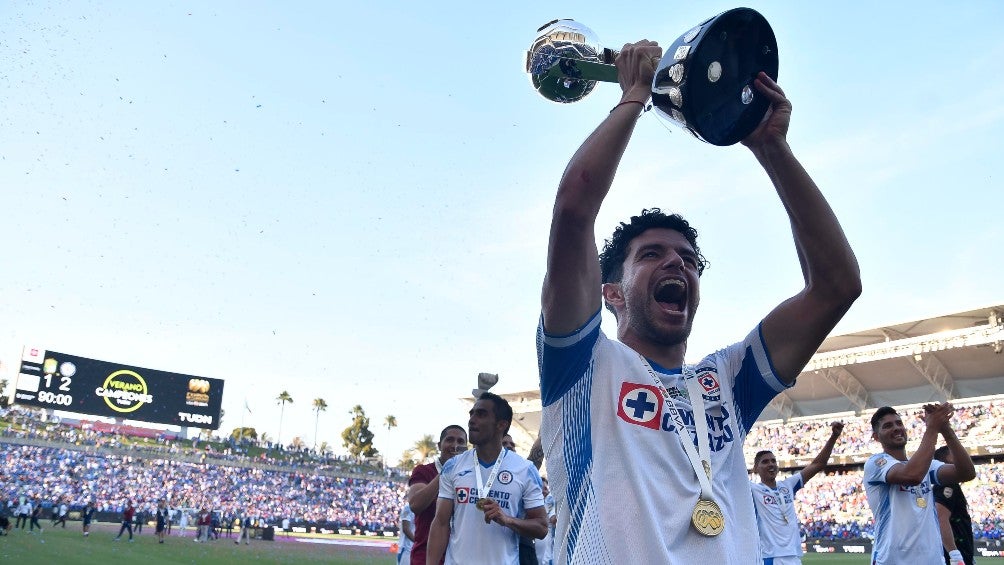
x=796, y=327
x=915, y=469
x=820, y=461
x=571, y=291
x=421, y=495
x=961, y=469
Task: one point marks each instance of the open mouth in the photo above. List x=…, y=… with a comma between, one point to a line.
x=672, y=294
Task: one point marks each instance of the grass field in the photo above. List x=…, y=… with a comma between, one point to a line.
x=68, y=547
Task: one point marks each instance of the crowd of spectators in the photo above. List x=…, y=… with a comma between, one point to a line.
x=107, y=480
x=24, y=423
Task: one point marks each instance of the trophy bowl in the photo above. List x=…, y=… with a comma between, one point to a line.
x=703, y=83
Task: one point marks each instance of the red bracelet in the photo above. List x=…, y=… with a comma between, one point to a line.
x=639, y=102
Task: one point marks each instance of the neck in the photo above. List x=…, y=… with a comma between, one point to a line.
x=443, y=459
x=668, y=356
x=489, y=452
x=772, y=483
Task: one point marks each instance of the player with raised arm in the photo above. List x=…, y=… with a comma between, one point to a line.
x=777, y=520
x=620, y=418
x=900, y=488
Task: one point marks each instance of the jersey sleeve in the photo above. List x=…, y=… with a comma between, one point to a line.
x=795, y=483
x=420, y=475
x=933, y=472
x=877, y=467
x=446, y=479
x=753, y=380
x=562, y=360
x=533, y=496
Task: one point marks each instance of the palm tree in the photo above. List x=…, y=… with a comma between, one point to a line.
x=319, y=406
x=425, y=447
x=283, y=398
x=390, y=422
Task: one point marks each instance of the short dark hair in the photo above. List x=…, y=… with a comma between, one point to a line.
x=500, y=406
x=615, y=248
x=759, y=454
x=442, y=434
x=941, y=454
x=881, y=413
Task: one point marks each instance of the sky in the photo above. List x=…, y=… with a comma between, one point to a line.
x=352, y=202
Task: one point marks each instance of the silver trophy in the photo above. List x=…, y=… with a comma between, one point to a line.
x=704, y=82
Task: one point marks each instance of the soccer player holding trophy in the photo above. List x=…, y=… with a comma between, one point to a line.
x=644, y=452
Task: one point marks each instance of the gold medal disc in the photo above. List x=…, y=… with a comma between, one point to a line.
x=480, y=504
x=707, y=518
x=921, y=502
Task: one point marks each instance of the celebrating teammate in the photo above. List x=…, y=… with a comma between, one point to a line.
x=777, y=521
x=899, y=488
x=483, y=492
x=423, y=488
x=620, y=417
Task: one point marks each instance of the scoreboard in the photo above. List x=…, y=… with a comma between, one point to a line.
x=60, y=381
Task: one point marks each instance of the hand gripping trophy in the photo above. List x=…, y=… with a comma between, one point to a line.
x=703, y=83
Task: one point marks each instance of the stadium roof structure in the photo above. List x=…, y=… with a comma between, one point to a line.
x=948, y=357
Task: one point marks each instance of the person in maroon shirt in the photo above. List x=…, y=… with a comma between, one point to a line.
x=127, y=516
x=423, y=487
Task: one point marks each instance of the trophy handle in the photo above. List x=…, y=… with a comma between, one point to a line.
x=576, y=68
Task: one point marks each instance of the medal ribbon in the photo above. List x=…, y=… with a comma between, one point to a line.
x=700, y=457
x=782, y=505
x=484, y=488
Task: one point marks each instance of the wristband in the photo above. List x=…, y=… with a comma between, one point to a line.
x=639, y=102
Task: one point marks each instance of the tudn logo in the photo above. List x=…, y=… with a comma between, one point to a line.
x=198, y=385
x=124, y=391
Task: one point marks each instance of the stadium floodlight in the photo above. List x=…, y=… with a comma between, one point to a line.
x=992, y=335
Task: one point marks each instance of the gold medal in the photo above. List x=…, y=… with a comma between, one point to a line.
x=921, y=502
x=707, y=518
x=480, y=504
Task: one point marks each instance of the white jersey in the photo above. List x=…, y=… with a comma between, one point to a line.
x=407, y=515
x=517, y=488
x=776, y=518
x=623, y=483
x=906, y=523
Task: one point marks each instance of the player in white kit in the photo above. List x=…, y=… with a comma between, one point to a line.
x=482, y=493
x=776, y=518
x=899, y=488
x=620, y=417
